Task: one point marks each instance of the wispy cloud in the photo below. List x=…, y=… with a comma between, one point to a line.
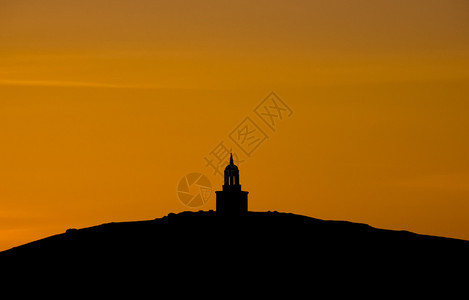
x=456, y=181
x=60, y=83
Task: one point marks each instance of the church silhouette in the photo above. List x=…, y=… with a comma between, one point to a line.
x=232, y=201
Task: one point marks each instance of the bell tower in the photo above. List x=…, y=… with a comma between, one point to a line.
x=232, y=200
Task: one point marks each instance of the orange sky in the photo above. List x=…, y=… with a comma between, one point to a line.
x=106, y=105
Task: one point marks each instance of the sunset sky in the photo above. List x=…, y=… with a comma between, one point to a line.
x=105, y=105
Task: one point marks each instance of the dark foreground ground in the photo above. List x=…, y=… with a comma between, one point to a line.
x=205, y=250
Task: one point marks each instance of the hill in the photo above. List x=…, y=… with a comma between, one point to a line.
x=283, y=245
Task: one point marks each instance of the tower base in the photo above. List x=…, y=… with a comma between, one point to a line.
x=232, y=203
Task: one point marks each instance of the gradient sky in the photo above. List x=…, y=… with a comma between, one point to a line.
x=106, y=105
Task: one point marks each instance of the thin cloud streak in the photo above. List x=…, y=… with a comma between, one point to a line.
x=58, y=83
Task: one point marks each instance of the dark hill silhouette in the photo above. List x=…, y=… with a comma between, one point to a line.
x=205, y=236
x=269, y=251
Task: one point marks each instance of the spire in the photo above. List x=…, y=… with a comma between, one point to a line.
x=231, y=158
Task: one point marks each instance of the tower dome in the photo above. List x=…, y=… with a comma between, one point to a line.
x=231, y=174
